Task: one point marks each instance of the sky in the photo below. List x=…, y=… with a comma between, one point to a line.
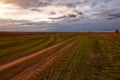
x=59, y=15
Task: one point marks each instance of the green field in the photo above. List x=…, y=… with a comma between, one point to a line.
x=79, y=56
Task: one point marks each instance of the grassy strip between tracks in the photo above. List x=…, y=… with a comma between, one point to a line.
x=67, y=66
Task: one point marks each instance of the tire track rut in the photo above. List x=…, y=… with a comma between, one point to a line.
x=28, y=57
x=30, y=72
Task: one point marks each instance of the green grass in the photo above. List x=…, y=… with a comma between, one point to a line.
x=66, y=68
x=93, y=57
x=15, y=47
x=9, y=73
x=107, y=60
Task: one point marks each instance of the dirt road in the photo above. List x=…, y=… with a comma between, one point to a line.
x=22, y=59
x=42, y=65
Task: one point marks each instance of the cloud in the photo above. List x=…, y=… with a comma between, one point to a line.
x=64, y=17
x=69, y=17
x=47, y=10
x=10, y=22
x=60, y=17
x=108, y=14
x=44, y=13
x=38, y=3
x=113, y=15
x=23, y=25
x=27, y=3
x=83, y=1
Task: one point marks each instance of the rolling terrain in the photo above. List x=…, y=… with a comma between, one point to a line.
x=59, y=56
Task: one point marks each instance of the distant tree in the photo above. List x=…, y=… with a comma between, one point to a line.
x=117, y=31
